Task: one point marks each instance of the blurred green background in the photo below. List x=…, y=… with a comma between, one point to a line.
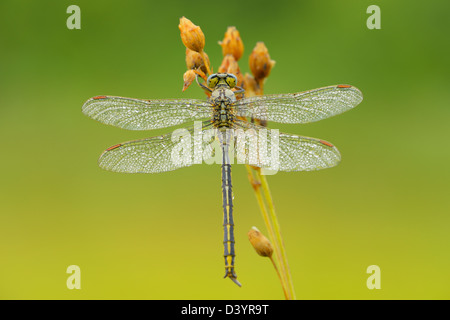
x=160, y=236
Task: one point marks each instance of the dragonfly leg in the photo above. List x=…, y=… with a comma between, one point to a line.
x=201, y=85
x=239, y=90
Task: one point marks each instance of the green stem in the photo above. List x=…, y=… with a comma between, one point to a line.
x=274, y=235
x=279, y=240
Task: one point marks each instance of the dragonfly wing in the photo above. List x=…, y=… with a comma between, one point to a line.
x=299, y=153
x=303, y=107
x=137, y=114
x=158, y=154
x=284, y=152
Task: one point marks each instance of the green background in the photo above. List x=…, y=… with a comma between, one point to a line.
x=159, y=236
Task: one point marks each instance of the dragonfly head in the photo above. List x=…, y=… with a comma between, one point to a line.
x=216, y=79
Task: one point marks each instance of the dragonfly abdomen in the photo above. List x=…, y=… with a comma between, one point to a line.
x=228, y=223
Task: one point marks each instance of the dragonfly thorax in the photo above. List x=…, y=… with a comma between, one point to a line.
x=222, y=94
x=222, y=100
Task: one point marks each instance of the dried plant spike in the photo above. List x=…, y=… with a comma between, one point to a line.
x=260, y=62
x=188, y=78
x=191, y=35
x=261, y=244
x=232, y=43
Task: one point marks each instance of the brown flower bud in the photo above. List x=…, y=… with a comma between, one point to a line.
x=261, y=244
x=232, y=43
x=260, y=63
x=230, y=65
x=188, y=78
x=191, y=35
x=194, y=60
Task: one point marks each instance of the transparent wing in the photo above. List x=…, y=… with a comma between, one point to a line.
x=287, y=152
x=303, y=107
x=137, y=114
x=162, y=153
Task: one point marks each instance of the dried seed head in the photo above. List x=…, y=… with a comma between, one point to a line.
x=188, y=78
x=191, y=35
x=194, y=60
x=261, y=244
x=232, y=43
x=230, y=65
x=260, y=63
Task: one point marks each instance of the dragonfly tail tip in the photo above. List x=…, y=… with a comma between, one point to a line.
x=236, y=281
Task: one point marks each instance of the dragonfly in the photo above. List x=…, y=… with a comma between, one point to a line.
x=221, y=115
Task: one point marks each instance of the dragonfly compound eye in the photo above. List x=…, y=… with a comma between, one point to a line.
x=231, y=80
x=212, y=81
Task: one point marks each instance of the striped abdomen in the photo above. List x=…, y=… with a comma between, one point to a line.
x=228, y=224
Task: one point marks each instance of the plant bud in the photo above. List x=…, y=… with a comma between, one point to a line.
x=194, y=60
x=260, y=63
x=230, y=65
x=191, y=35
x=261, y=244
x=232, y=43
x=188, y=78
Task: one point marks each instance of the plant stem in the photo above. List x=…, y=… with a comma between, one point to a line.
x=274, y=233
x=286, y=294
x=279, y=239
